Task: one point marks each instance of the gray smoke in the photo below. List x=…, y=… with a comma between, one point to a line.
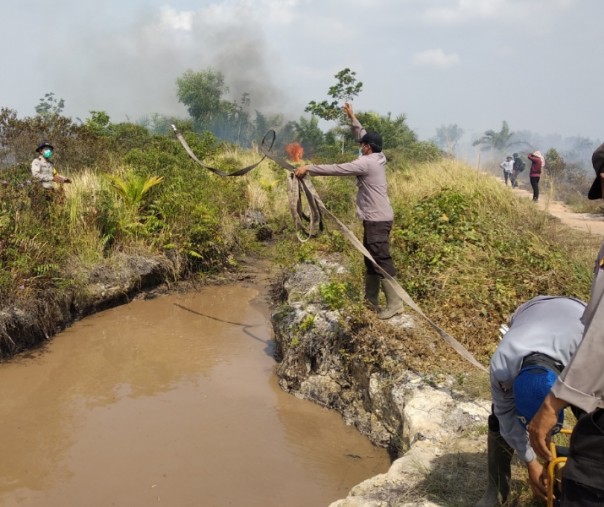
x=132, y=71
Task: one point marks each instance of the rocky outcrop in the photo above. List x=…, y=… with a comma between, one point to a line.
x=321, y=360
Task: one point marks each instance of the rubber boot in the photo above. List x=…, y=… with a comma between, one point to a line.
x=499, y=459
x=372, y=290
x=394, y=303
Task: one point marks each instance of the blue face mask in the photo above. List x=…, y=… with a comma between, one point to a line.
x=360, y=152
x=47, y=153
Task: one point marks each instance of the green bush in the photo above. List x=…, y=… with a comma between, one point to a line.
x=471, y=265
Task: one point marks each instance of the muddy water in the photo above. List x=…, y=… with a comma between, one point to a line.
x=172, y=402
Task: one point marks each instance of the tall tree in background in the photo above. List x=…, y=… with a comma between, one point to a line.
x=204, y=94
x=201, y=92
x=496, y=141
x=447, y=137
x=309, y=134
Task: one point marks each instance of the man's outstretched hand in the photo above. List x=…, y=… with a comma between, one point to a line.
x=300, y=172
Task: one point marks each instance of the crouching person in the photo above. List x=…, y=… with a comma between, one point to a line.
x=543, y=335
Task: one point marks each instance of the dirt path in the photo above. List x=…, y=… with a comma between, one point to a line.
x=587, y=222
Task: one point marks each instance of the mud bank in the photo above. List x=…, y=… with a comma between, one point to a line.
x=431, y=426
x=35, y=318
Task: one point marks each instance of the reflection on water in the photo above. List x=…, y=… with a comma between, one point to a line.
x=170, y=401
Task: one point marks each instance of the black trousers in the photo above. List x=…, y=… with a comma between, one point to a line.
x=583, y=474
x=535, y=185
x=376, y=239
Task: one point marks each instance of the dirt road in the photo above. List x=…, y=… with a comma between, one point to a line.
x=587, y=222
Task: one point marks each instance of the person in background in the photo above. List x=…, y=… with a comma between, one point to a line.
x=373, y=207
x=543, y=335
x=45, y=178
x=43, y=170
x=581, y=384
x=508, y=170
x=519, y=166
x=537, y=165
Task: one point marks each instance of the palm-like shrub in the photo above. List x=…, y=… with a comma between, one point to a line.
x=133, y=187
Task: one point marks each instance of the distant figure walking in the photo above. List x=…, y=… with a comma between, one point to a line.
x=537, y=165
x=519, y=166
x=508, y=170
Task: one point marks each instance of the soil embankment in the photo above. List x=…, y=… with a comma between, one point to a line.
x=32, y=319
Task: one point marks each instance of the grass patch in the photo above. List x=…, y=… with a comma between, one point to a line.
x=467, y=251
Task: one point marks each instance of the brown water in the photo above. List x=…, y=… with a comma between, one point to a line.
x=171, y=401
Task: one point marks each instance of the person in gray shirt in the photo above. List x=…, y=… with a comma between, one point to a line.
x=373, y=207
x=543, y=335
x=581, y=384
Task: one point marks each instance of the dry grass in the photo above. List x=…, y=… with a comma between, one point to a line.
x=81, y=197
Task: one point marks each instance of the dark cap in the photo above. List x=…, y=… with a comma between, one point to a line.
x=44, y=144
x=597, y=160
x=374, y=140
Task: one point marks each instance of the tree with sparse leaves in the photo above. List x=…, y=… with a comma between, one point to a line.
x=50, y=106
x=344, y=90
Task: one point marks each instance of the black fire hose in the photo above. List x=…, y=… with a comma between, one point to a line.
x=270, y=134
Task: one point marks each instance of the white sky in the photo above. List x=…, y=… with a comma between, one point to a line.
x=533, y=63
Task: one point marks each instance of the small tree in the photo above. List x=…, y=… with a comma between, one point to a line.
x=344, y=90
x=98, y=123
x=49, y=106
x=309, y=134
x=394, y=131
x=555, y=165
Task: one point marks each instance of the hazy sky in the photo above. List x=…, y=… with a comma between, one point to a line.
x=535, y=63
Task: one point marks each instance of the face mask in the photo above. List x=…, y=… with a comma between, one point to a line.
x=47, y=153
x=360, y=152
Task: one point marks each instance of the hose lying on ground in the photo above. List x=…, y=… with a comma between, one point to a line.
x=296, y=188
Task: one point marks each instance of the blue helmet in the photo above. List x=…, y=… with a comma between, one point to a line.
x=531, y=386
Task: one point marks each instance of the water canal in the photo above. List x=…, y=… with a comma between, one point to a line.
x=170, y=401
